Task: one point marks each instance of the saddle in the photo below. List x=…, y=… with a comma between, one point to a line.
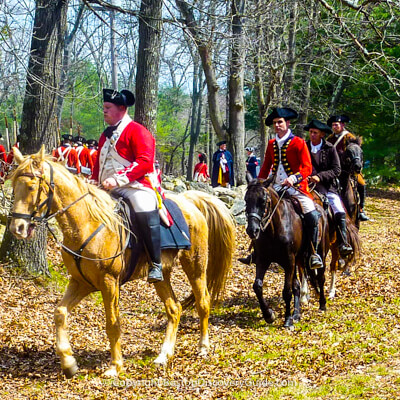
x=176, y=236
x=295, y=203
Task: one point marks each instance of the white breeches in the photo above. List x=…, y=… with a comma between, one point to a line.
x=307, y=204
x=335, y=203
x=141, y=199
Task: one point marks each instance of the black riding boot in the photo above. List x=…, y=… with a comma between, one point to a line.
x=149, y=223
x=344, y=248
x=311, y=220
x=362, y=191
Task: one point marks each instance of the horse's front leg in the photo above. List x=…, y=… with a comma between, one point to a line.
x=287, y=292
x=110, y=293
x=173, y=309
x=297, y=304
x=75, y=292
x=333, y=270
x=266, y=309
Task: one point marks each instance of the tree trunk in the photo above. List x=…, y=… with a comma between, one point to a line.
x=236, y=94
x=148, y=66
x=38, y=121
x=204, y=49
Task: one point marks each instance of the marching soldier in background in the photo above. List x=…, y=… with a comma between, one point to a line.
x=3, y=160
x=92, y=146
x=84, y=157
x=340, y=138
x=67, y=155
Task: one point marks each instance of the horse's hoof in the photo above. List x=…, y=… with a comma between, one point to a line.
x=111, y=372
x=346, y=273
x=304, y=300
x=161, y=360
x=269, y=319
x=322, y=308
x=289, y=323
x=331, y=296
x=203, y=351
x=70, y=371
x=296, y=318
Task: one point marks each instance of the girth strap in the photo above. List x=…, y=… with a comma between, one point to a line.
x=77, y=254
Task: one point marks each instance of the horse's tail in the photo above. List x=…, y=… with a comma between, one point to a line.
x=353, y=237
x=221, y=242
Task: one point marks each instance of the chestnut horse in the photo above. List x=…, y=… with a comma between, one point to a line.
x=277, y=233
x=44, y=189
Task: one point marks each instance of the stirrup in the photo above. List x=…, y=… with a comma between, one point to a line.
x=363, y=216
x=345, y=250
x=155, y=273
x=315, y=261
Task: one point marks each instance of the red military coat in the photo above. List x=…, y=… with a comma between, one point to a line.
x=133, y=154
x=85, y=159
x=69, y=155
x=295, y=158
x=3, y=160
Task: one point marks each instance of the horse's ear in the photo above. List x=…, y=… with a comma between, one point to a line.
x=266, y=182
x=18, y=157
x=39, y=157
x=42, y=153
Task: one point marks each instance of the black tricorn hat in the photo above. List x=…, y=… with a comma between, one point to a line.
x=67, y=137
x=337, y=118
x=314, y=123
x=221, y=143
x=79, y=138
x=91, y=142
x=277, y=112
x=123, y=98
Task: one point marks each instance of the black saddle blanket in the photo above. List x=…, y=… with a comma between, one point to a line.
x=176, y=236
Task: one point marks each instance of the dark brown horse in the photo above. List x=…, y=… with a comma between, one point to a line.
x=353, y=238
x=277, y=233
x=351, y=162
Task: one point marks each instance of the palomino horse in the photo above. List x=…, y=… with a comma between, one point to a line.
x=43, y=189
x=277, y=233
x=351, y=162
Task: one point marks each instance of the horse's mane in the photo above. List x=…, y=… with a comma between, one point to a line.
x=357, y=140
x=99, y=203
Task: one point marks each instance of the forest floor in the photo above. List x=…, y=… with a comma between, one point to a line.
x=350, y=351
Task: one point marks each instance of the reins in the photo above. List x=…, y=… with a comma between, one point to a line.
x=46, y=217
x=266, y=220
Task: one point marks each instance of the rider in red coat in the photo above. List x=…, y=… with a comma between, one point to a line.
x=125, y=165
x=288, y=161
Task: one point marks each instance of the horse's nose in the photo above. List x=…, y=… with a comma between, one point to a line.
x=18, y=229
x=253, y=231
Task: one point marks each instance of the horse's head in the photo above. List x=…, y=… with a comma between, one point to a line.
x=353, y=156
x=258, y=201
x=31, y=193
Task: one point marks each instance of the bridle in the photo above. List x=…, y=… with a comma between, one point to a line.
x=266, y=218
x=46, y=216
x=48, y=202
x=349, y=161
